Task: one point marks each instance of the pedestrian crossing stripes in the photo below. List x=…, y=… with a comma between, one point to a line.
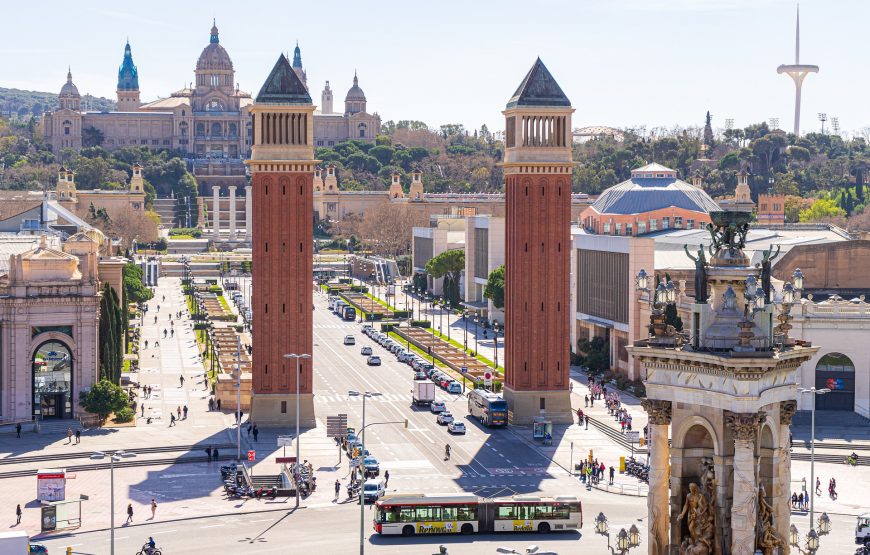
x=334, y=326
x=384, y=398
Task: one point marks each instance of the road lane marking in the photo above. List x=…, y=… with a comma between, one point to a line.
x=212, y=526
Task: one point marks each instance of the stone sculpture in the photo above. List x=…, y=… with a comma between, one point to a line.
x=767, y=540
x=701, y=294
x=765, y=271
x=699, y=512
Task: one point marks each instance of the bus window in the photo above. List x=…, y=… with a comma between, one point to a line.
x=467, y=512
x=507, y=512
x=428, y=513
x=407, y=514
x=448, y=513
x=388, y=515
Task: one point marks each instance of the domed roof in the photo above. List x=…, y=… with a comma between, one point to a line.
x=214, y=56
x=355, y=93
x=69, y=89
x=653, y=187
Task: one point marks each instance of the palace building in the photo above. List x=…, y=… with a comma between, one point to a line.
x=208, y=121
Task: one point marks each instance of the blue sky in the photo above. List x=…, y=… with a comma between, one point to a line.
x=624, y=63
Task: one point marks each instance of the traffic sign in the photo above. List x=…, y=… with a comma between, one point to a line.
x=252, y=456
x=285, y=441
x=632, y=436
x=465, y=369
x=487, y=379
x=336, y=426
x=285, y=460
x=354, y=463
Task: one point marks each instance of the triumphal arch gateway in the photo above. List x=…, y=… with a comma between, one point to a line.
x=725, y=389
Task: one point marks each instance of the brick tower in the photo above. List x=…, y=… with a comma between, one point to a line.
x=282, y=168
x=537, y=167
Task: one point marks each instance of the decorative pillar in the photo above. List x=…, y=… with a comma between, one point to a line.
x=782, y=478
x=659, y=413
x=215, y=212
x=248, y=213
x=232, y=236
x=744, y=505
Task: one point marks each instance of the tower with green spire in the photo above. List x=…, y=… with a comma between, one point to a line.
x=297, y=65
x=128, y=83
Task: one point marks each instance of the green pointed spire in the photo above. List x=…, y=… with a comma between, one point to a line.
x=538, y=89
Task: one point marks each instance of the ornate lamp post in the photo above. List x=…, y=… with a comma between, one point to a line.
x=625, y=541
x=812, y=537
x=786, y=301
x=661, y=296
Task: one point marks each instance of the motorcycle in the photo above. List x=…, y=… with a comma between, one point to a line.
x=146, y=550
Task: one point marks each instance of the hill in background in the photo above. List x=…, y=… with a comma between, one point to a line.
x=21, y=105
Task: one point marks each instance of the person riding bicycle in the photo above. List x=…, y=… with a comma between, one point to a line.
x=447, y=452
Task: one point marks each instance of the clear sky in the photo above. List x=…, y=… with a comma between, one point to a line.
x=623, y=63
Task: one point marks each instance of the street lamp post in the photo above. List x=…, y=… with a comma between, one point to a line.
x=495, y=335
x=113, y=458
x=813, y=392
x=625, y=541
x=298, y=370
x=362, y=467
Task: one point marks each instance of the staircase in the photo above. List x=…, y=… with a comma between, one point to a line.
x=165, y=208
x=59, y=427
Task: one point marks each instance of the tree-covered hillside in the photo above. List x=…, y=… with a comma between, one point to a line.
x=21, y=105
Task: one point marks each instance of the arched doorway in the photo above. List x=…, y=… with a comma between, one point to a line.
x=836, y=371
x=52, y=380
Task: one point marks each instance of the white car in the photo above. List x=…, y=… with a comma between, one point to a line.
x=444, y=418
x=437, y=406
x=366, y=351
x=456, y=427
x=349, y=340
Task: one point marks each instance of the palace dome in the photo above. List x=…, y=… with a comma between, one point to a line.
x=69, y=89
x=355, y=92
x=214, y=57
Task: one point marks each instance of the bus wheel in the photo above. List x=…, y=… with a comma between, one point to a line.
x=543, y=528
x=408, y=531
x=467, y=529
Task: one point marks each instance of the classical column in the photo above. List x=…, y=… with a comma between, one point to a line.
x=215, y=212
x=248, y=213
x=744, y=504
x=782, y=480
x=659, y=413
x=232, y=189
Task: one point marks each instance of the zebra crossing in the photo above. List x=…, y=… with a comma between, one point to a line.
x=343, y=398
x=335, y=326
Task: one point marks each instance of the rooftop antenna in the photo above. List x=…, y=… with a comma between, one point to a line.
x=835, y=125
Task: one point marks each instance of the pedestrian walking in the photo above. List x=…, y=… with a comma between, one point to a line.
x=153, y=508
x=218, y=403
x=171, y=420
x=69, y=435
x=146, y=343
x=185, y=412
x=78, y=435
x=181, y=380
x=337, y=488
x=143, y=410
x=18, y=514
x=178, y=412
x=587, y=421
x=210, y=403
x=18, y=429
x=612, y=472
x=129, y=513
x=256, y=432
x=586, y=401
x=215, y=453
x=818, y=486
x=386, y=478
x=208, y=452
x=250, y=428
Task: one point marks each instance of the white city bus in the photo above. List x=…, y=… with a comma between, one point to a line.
x=466, y=513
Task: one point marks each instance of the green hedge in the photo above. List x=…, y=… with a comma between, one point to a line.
x=345, y=280
x=192, y=231
x=216, y=289
x=421, y=323
x=386, y=328
x=126, y=414
x=359, y=288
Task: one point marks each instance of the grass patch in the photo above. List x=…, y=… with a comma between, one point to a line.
x=182, y=237
x=224, y=304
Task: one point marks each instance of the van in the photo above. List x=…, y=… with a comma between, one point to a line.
x=374, y=489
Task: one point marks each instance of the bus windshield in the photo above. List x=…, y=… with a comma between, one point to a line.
x=498, y=405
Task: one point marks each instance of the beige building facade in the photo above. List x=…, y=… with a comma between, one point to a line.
x=49, y=328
